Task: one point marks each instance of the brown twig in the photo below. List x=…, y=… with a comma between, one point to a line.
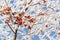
x=10, y=28
x=15, y=35
x=30, y=1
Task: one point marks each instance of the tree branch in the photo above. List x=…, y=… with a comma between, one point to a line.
x=10, y=28
x=30, y=1
x=15, y=35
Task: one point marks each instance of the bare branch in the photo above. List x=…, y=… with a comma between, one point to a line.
x=15, y=35
x=10, y=28
x=30, y=1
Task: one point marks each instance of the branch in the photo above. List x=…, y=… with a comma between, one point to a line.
x=15, y=36
x=11, y=17
x=10, y=28
x=30, y=1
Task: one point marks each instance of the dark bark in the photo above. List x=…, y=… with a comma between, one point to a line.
x=15, y=35
x=10, y=28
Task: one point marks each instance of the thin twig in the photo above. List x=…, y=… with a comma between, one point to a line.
x=11, y=17
x=30, y=1
x=10, y=28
